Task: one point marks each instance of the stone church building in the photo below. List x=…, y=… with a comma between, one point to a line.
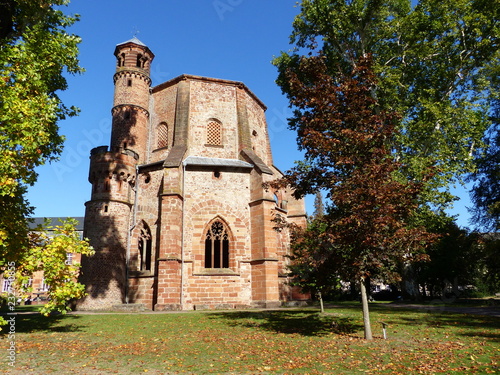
x=178, y=215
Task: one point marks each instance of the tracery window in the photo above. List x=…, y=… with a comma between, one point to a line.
x=214, y=133
x=217, y=246
x=162, y=135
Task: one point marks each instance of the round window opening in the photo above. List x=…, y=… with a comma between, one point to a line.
x=146, y=178
x=217, y=175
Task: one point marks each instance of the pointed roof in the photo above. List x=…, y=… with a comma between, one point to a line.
x=133, y=40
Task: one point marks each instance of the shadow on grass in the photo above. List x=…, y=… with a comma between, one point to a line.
x=300, y=322
x=464, y=324
x=35, y=322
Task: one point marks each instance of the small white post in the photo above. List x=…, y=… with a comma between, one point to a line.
x=384, y=325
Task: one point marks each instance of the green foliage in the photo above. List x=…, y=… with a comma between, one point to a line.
x=35, y=51
x=319, y=207
x=486, y=190
x=310, y=267
x=453, y=261
x=49, y=254
x=431, y=61
x=487, y=257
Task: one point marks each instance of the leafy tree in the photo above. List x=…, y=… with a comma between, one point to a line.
x=486, y=191
x=454, y=261
x=431, y=61
x=348, y=141
x=310, y=267
x=49, y=254
x=319, y=207
x=35, y=52
x=488, y=259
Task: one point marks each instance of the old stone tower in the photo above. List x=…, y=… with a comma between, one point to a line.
x=178, y=215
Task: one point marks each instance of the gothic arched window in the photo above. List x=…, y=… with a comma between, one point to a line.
x=162, y=135
x=217, y=246
x=145, y=249
x=214, y=133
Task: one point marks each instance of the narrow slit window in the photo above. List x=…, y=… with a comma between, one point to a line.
x=145, y=245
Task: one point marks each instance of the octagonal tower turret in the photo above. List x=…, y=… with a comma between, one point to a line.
x=131, y=99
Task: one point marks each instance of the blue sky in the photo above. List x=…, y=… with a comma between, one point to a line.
x=229, y=39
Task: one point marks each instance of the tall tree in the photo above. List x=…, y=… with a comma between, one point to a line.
x=486, y=191
x=348, y=141
x=430, y=60
x=35, y=51
x=319, y=207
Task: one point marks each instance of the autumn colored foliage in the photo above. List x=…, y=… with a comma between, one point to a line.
x=348, y=141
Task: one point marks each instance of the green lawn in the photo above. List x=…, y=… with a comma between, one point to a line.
x=253, y=342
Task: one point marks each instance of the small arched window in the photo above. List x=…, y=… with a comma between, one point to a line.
x=140, y=62
x=162, y=135
x=145, y=245
x=214, y=133
x=217, y=246
x=121, y=60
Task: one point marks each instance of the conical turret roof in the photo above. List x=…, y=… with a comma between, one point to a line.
x=133, y=40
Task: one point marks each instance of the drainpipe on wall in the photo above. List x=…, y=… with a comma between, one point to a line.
x=129, y=235
x=182, y=232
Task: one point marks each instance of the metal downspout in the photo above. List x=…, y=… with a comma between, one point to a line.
x=182, y=233
x=129, y=235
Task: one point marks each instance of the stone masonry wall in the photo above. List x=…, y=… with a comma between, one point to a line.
x=226, y=199
x=162, y=108
x=212, y=101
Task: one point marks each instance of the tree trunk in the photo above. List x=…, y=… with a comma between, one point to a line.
x=320, y=297
x=366, y=313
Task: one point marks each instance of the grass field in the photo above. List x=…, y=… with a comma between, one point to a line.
x=288, y=341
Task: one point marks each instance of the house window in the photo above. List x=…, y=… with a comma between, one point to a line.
x=145, y=249
x=69, y=259
x=162, y=135
x=214, y=133
x=217, y=246
x=7, y=286
x=28, y=283
x=44, y=287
